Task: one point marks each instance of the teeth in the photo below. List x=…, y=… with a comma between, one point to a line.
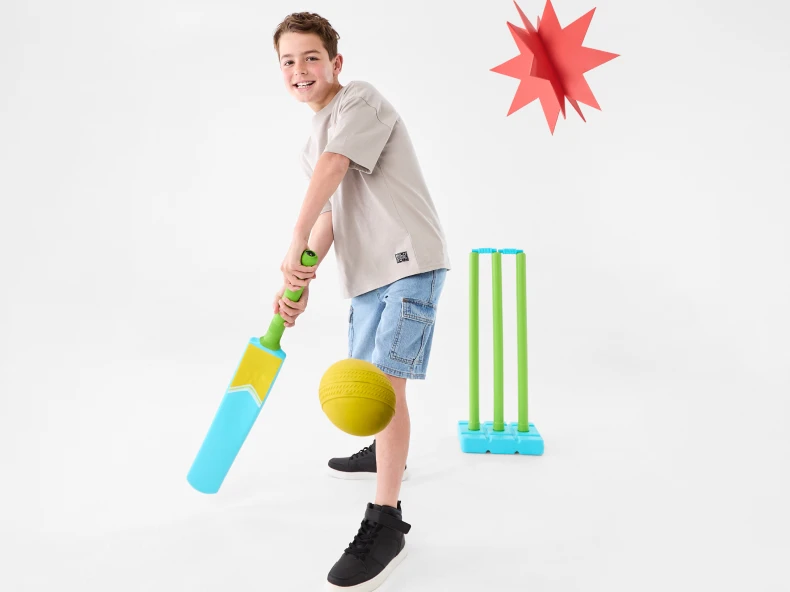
x=303, y=84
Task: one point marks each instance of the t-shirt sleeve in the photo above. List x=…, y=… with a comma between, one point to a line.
x=359, y=134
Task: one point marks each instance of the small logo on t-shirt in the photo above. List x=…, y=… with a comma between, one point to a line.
x=401, y=257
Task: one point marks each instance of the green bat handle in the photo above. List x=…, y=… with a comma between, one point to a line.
x=277, y=327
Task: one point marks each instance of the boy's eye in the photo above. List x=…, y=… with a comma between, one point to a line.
x=289, y=62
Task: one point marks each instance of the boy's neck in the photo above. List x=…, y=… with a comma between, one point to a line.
x=316, y=107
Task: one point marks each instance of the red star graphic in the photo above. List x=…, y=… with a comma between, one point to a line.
x=552, y=64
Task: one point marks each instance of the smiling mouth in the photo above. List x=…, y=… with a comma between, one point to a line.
x=304, y=84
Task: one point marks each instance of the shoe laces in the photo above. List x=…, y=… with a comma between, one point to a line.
x=364, y=452
x=364, y=539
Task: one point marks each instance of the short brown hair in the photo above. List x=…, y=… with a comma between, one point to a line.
x=308, y=22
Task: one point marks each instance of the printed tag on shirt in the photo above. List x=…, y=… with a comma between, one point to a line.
x=401, y=257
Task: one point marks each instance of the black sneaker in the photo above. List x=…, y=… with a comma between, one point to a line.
x=360, y=465
x=377, y=549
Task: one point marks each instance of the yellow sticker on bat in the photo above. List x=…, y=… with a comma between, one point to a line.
x=257, y=370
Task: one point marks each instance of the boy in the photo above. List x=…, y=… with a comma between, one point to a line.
x=366, y=195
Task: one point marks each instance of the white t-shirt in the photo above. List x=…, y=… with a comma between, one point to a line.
x=384, y=221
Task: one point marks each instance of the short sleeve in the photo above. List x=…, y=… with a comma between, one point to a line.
x=358, y=134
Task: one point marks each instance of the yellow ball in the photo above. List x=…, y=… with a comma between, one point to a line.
x=357, y=397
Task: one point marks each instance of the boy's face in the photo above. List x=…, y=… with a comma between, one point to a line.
x=308, y=73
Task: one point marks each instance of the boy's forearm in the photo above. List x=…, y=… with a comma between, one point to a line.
x=327, y=175
x=322, y=236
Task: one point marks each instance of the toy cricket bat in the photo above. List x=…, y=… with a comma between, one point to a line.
x=240, y=406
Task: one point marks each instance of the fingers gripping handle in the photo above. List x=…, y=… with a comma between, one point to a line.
x=309, y=259
x=276, y=328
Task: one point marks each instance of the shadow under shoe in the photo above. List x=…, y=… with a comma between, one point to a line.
x=360, y=465
x=377, y=549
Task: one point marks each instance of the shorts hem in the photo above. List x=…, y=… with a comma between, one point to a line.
x=400, y=373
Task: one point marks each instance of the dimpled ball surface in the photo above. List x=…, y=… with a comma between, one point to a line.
x=357, y=397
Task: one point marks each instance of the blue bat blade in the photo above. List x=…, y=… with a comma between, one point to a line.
x=240, y=406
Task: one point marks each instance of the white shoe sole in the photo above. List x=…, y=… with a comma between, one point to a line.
x=358, y=475
x=373, y=584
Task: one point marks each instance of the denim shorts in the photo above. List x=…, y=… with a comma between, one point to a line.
x=392, y=327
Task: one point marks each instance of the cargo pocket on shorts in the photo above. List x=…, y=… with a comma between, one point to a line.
x=350, y=331
x=413, y=331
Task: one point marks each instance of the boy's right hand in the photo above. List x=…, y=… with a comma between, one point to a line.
x=289, y=309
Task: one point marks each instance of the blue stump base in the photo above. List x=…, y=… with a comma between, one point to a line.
x=509, y=441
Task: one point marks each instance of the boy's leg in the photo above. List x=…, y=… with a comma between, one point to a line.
x=364, y=316
x=402, y=348
x=392, y=448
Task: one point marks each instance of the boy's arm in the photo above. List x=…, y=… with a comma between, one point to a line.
x=321, y=240
x=322, y=236
x=327, y=175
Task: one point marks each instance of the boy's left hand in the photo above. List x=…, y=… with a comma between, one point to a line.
x=295, y=274
x=288, y=309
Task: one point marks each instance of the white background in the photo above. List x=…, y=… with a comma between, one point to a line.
x=149, y=180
